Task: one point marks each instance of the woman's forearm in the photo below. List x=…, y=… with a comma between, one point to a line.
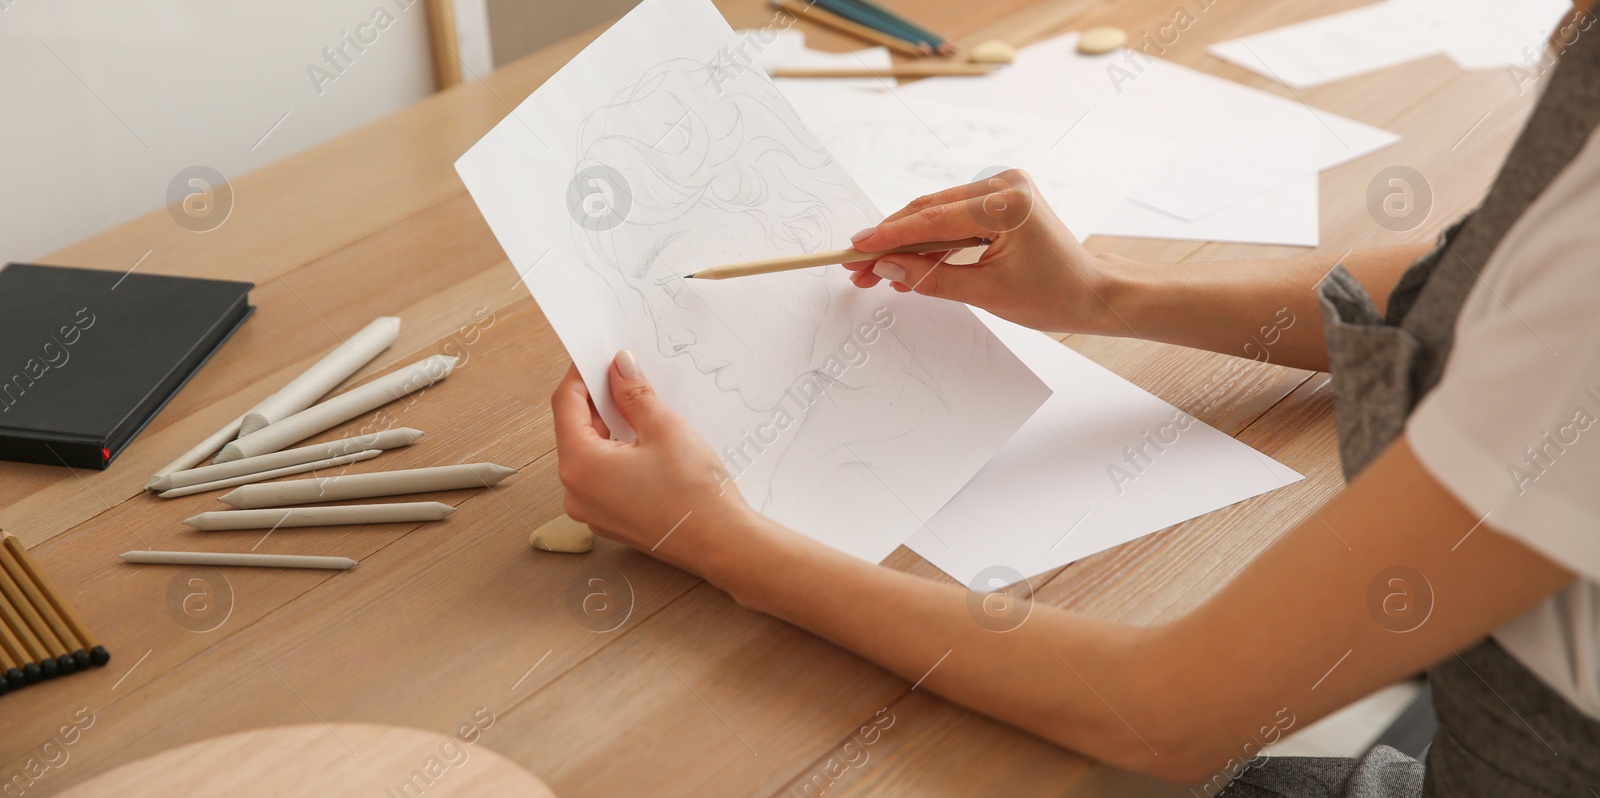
x=1062, y=676
x=1291, y=638
x=1258, y=309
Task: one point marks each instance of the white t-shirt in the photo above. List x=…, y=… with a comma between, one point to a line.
x=1513, y=428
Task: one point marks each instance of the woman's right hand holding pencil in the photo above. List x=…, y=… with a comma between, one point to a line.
x=1035, y=272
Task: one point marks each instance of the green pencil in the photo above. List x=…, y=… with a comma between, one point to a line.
x=919, y=33
x=884, y=23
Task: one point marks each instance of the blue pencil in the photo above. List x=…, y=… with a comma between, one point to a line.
x=882, y=22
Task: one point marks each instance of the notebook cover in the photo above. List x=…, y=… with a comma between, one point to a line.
x=88, y=357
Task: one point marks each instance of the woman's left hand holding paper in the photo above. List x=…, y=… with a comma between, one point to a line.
x=665, y=493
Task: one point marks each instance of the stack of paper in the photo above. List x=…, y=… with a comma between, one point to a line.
x=900, y=148
x=1476, y=34
x=1122, y=144
x=1245, y=162
x=852, y=416
x=1102, y=463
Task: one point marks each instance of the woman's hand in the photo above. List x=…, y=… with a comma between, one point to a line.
x=1035, y=272
x=666, y=493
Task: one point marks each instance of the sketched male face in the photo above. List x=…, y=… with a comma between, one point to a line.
x=705, y=173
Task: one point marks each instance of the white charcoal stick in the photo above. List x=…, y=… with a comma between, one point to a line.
x=326, y=415
x=335, y=367
x=321, y=516
x=385, y=440
x=226, y=558
x=366, y=486
x=199, y=453
x=245, y=479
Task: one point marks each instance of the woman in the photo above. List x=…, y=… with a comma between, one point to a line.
x=1465, y=396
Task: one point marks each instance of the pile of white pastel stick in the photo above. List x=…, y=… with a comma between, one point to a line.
x=251, y=449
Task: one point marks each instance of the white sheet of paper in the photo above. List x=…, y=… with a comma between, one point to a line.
x=1082, y=476
x=1477, y=34
x=900, y=149
x=1337, y=46
x=1236, y=143
x=1506, y=34
x=1286, y=216
x=849, y=415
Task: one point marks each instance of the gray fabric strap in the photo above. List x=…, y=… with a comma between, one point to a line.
x=1382, y=772
x=1504, y=732
x=1383, y=366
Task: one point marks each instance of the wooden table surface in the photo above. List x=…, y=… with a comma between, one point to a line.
x=690, y=694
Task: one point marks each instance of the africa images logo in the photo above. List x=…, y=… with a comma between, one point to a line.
x=598, y=198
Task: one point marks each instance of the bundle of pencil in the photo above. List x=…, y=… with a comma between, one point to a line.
x=41, y=635
x=870, y=21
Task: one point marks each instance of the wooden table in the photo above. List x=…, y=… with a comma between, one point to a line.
x=691, y=694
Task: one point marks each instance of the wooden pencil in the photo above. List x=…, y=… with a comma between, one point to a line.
x=917, y=69
x=50, y=650
x=822, y=16
x=792, y=262
x=11, y=655
x=17, y=658
x=10, y=675
x=33, y=652
x=65, y=650
x=239, y=560
x=97, y=653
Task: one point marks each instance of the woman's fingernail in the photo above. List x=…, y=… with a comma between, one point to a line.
x=863, y=235
x=893, y=272
x=628, y=365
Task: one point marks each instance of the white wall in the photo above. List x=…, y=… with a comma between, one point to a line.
x=92, y=133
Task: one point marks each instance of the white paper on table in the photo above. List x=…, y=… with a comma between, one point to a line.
x=1505, y=34
x=1236, y=142
x=1286, y=216
x=849, y=415
x=1053, y=494
x=774, y=49
x=1477, y=34
x=899, y=149
x=1338, y=46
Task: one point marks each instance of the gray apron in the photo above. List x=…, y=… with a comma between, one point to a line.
x=1501, y=730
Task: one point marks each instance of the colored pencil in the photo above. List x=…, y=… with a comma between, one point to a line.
x=873, y=15
x=822, y=16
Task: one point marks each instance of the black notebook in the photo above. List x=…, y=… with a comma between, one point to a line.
x=88, y=357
